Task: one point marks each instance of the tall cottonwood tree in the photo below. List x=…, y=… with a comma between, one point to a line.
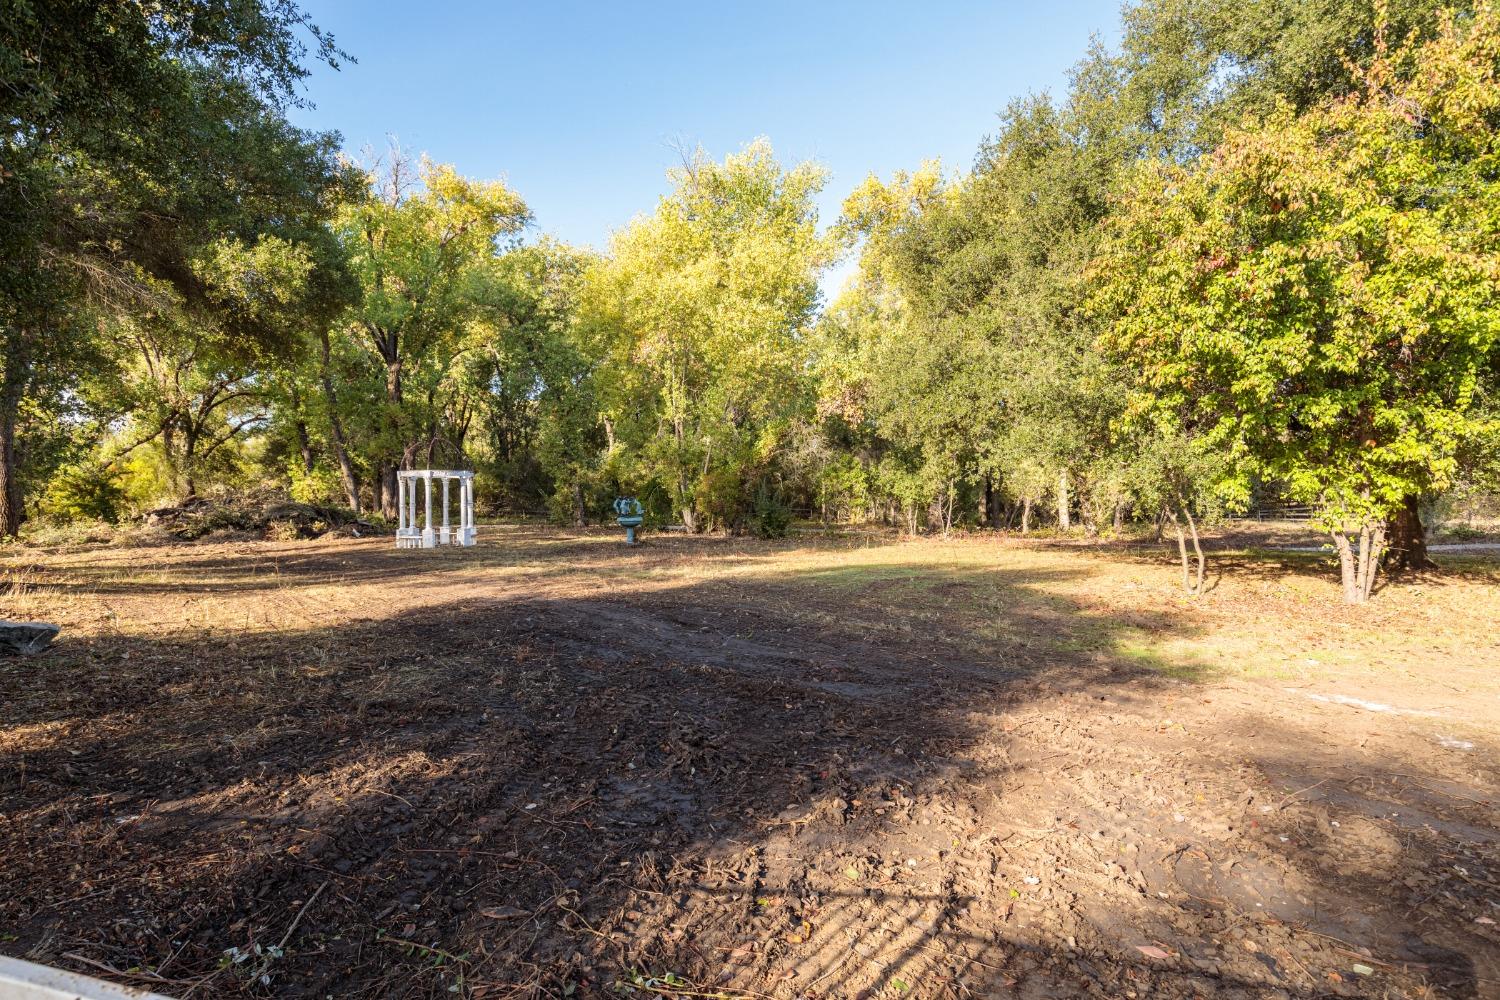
x=703, y=308
x=422, y=244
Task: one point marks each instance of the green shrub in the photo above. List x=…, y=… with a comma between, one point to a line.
x=772, y=517
x=321, y=485
x=78, y=494
x=720, y=500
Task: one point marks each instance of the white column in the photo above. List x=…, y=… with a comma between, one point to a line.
x=468, y=509
x=400, y=504
x=427, y=539
x=447, y=535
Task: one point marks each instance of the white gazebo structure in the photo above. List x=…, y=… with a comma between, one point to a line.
x=409, y=535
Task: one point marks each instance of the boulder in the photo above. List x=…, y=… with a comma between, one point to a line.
x=22, y=638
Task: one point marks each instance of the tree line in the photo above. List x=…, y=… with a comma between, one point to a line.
x=1250, y=252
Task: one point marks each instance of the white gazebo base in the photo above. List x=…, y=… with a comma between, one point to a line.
x=409, y=535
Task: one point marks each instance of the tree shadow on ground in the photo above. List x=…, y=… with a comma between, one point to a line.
x=1271, y=564
x=546, y=797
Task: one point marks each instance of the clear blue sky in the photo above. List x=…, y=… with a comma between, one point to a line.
x=578, y=106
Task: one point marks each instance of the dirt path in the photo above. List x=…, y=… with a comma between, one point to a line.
x=548, y=768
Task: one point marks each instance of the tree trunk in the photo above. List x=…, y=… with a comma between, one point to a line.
x=1407, y=539
x=689, y=515
x=11, y=514
x=1119, y=516
x=347, y=474
x=937, y=513
x=580, y=512
x=387, y=487
x=169, y=453
x=1026, y=515
x=1064, y=518
x=1346, y=567
x=1359, y=567
x=189, y=457
x=1182, y=556
x=1197, y=549
x=304, y=447
x=685, y=502
x=684, y=497
x=1373, y=559
x=388, y=484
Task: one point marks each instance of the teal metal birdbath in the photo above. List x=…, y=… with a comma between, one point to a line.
x=630, y=516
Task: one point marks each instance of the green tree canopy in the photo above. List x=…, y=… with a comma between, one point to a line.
x=422, y=242
x=1320, y=293
x=704, y=306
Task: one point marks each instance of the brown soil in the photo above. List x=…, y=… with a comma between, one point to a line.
x=551, y=766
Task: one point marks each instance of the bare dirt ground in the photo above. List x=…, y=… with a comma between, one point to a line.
x=826, y=768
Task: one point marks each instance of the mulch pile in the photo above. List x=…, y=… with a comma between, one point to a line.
x=267, y=514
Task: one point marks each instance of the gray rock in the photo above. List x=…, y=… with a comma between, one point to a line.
x=22, y=638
